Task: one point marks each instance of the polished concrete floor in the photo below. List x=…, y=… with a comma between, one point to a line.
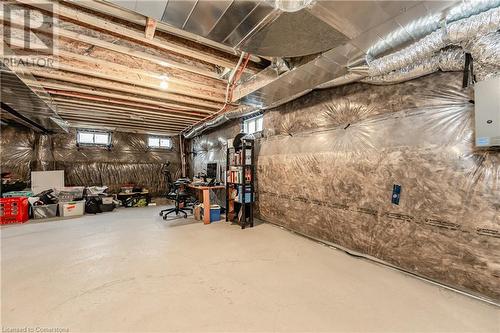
x=131, y=271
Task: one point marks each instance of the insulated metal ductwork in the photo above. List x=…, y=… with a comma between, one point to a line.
x=350, y=62
x=31, y=106
x=261, y=27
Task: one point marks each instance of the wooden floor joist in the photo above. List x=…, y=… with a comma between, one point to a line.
x=136, y=18
x=75, y=63
x=79, y=16
x=114, y=126
x=155, y=86
x=125, y=103
x=108, y=106
x=121, y=120
x=126, y=114
x=108, y=73
x=61, y=32
x=91, y=123
x=129, y=89
x=55, y=88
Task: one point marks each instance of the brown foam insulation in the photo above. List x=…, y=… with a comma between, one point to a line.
x=327, y=163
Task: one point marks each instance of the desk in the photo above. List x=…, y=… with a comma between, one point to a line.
x=206, y=199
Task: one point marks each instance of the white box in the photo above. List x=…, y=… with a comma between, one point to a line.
x=46, y=180
x=487, y=112
x=75, y=208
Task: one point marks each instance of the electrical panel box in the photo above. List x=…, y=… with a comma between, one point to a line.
x=487, y=112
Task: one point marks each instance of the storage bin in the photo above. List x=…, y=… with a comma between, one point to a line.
x=45, y=211
x=214, y=213
x=70, y=194
x=74, y=208
x=14, y=210
x=17, y=194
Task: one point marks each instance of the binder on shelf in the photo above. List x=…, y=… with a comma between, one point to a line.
x=247, y=193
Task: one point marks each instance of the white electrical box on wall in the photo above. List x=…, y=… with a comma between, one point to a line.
x=487, y=112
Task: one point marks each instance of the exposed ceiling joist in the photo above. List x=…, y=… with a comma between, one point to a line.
x=155, y=85
x=105, y=71
x=133, y=121
x=120, y=102
x=98, y=110
x=108, y=8
x=74, y=122
x=81, y=17
x=79, y=37
x=55, y=88
x=107, y=106
x=136, y=90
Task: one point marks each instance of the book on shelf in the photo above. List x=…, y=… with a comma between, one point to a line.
x=239, y=175
x=237, y=158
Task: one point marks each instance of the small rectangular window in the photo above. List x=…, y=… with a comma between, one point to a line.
x=153, y=142
x=93, y=138
x=253, y=125
x=159, y=142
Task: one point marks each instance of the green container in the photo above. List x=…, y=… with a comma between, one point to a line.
x=17, y=194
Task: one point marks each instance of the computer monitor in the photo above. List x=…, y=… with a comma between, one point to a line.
x=212, y=170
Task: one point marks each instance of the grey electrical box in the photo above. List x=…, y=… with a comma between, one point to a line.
x=487, y=112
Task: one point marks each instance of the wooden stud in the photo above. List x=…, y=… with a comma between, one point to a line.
x=150, y=29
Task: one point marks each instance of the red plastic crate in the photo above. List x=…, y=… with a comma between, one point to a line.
x=14, y=210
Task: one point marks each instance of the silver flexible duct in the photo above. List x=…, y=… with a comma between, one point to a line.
x=476, y=34
x=454, y=34
x=485, y=51
x=425, y=25
x=448, y=60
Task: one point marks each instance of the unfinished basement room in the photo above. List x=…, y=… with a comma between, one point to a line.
x=250, y=166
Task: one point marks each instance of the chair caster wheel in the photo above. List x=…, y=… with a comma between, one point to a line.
x=161, y=214
x=185, y=216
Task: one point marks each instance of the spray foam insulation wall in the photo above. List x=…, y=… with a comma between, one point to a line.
x=128, y=161
x=328, y=161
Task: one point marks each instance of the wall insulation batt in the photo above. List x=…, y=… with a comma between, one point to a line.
x=127, y=161
x=327, y=163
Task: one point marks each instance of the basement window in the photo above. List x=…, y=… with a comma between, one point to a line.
x=253, y=125
x=93, y=138
x=159, y=142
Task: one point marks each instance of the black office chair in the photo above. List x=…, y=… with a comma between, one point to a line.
x=179, y=194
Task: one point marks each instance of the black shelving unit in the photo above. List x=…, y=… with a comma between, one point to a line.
x=244, y=207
